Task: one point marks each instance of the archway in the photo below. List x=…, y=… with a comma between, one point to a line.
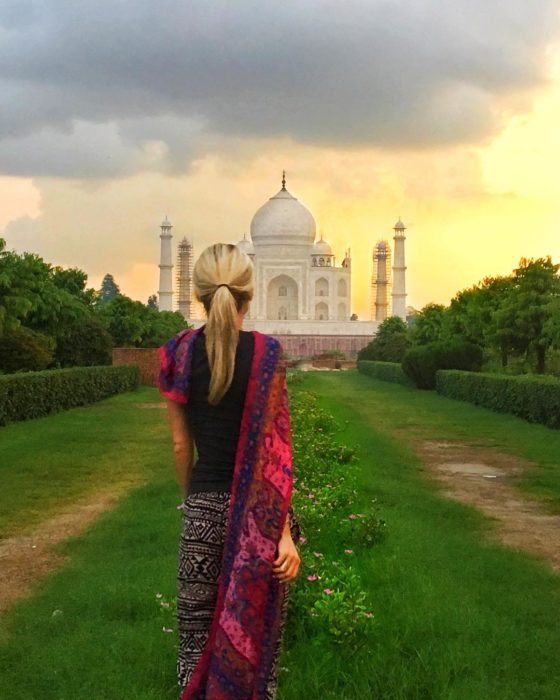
x=321, y=287
x=342, y=288
x=282, y=298
x=321, y=311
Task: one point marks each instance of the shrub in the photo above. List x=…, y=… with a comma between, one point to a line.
x=421, y=363
x=85, y=345
x=22, y=349
x=534, y=398
x=386, y=371
x=33, y=394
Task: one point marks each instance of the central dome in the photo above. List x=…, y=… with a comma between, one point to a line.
x=283, y=220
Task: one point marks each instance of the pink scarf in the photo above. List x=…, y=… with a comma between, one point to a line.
x=237, y=658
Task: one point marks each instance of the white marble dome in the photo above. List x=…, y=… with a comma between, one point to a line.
x=246, y=246
x=283, y=220
x=321, y=247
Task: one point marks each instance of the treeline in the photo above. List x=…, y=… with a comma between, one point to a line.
x=49, y=318
x=507, y=324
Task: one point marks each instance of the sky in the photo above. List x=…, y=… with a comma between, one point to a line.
x=116, y=114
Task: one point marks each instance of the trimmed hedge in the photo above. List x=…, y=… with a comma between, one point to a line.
x=533, y=398
x=33, y=394
x=421, y=362
x=386, y=371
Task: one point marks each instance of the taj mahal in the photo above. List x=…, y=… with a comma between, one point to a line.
x=301, y=295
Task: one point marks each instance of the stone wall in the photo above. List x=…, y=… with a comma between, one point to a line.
x=147, y=360
x=296, y=346
x=309, y=345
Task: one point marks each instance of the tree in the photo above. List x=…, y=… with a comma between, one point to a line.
x=472, y=314
x=526, y=315
x=390, y=342
x=430, y=325
x=22, y=349
x=153, y=302
x=109, y=290
x=87, y=343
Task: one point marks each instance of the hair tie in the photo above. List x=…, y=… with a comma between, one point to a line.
x=223, y=284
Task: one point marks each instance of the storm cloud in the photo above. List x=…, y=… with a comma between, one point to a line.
x=105, y=89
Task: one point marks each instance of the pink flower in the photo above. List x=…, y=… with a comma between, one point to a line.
x=368, y=613
x=302, y=539
x=312, y=577
x=348, y=551
x=328, y=591
x=352, y=516
x=310, y=495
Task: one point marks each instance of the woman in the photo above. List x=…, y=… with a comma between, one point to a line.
x=226, y=394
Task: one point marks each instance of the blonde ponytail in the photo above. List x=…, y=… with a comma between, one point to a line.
x=223, y=282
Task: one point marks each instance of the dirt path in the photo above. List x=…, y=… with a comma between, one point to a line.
x=27, y=558
x=484, y=478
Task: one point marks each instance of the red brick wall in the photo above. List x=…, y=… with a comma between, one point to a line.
x=309, y=345
x=295, y=345
x=146, y=358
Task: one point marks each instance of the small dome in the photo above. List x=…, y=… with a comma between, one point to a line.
x=321, y=247
x=246, y=245
x=399, y=225
x=283, y=220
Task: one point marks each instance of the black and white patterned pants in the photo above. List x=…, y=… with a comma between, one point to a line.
x=200, y=556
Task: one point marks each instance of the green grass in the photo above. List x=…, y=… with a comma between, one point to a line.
x=107, y=642
x=49, y=462
x=457, y=617
x=427, y=414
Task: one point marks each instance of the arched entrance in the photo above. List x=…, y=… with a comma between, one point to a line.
x=321, y=311
x=282, y=298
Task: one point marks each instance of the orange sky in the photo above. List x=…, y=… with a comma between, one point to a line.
x=472, y=210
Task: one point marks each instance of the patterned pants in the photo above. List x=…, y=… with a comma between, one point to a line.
x=200, y=556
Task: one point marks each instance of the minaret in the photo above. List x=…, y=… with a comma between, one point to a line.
x=166, y=268
x=184, y=278
x=380, y=280
x=399, y=272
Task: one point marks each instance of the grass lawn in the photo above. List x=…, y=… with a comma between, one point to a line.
x=427, y=414
x=49, y=462
x=456, y=618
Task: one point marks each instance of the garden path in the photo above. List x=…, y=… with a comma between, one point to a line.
x=25, y=559
x=486, y=479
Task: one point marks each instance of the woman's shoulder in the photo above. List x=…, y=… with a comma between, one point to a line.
x=269, y=341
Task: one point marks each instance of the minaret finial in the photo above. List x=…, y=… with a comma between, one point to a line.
x=283, y=179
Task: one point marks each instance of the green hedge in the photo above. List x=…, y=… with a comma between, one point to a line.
x=32, y=394
x=534, y=398
x=386, y=371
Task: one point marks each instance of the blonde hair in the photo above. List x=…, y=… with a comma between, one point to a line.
x=223, y=282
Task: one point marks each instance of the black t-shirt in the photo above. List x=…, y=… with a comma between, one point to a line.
x=216, y=428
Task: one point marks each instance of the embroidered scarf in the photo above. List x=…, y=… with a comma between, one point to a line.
x=237, y=658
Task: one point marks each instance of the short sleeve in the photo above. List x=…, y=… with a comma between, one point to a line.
x=174, y=359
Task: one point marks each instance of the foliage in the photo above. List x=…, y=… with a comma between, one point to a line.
x=331, y=600
x=133, y=324
x=22, y=349
x=109, y=290
x=524, y=319
x=386, y=371
x=429, y=326
x=421, y=362
x=33, y=394
x=327, y=354
x=535, y=399
x=390, y=341
x=85, y=344
x=153, y=301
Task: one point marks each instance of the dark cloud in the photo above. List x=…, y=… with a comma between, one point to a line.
x=105, y=88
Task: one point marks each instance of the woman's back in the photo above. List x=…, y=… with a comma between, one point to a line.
x=216, y=428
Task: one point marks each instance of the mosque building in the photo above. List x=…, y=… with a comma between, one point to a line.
x=301, y=295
